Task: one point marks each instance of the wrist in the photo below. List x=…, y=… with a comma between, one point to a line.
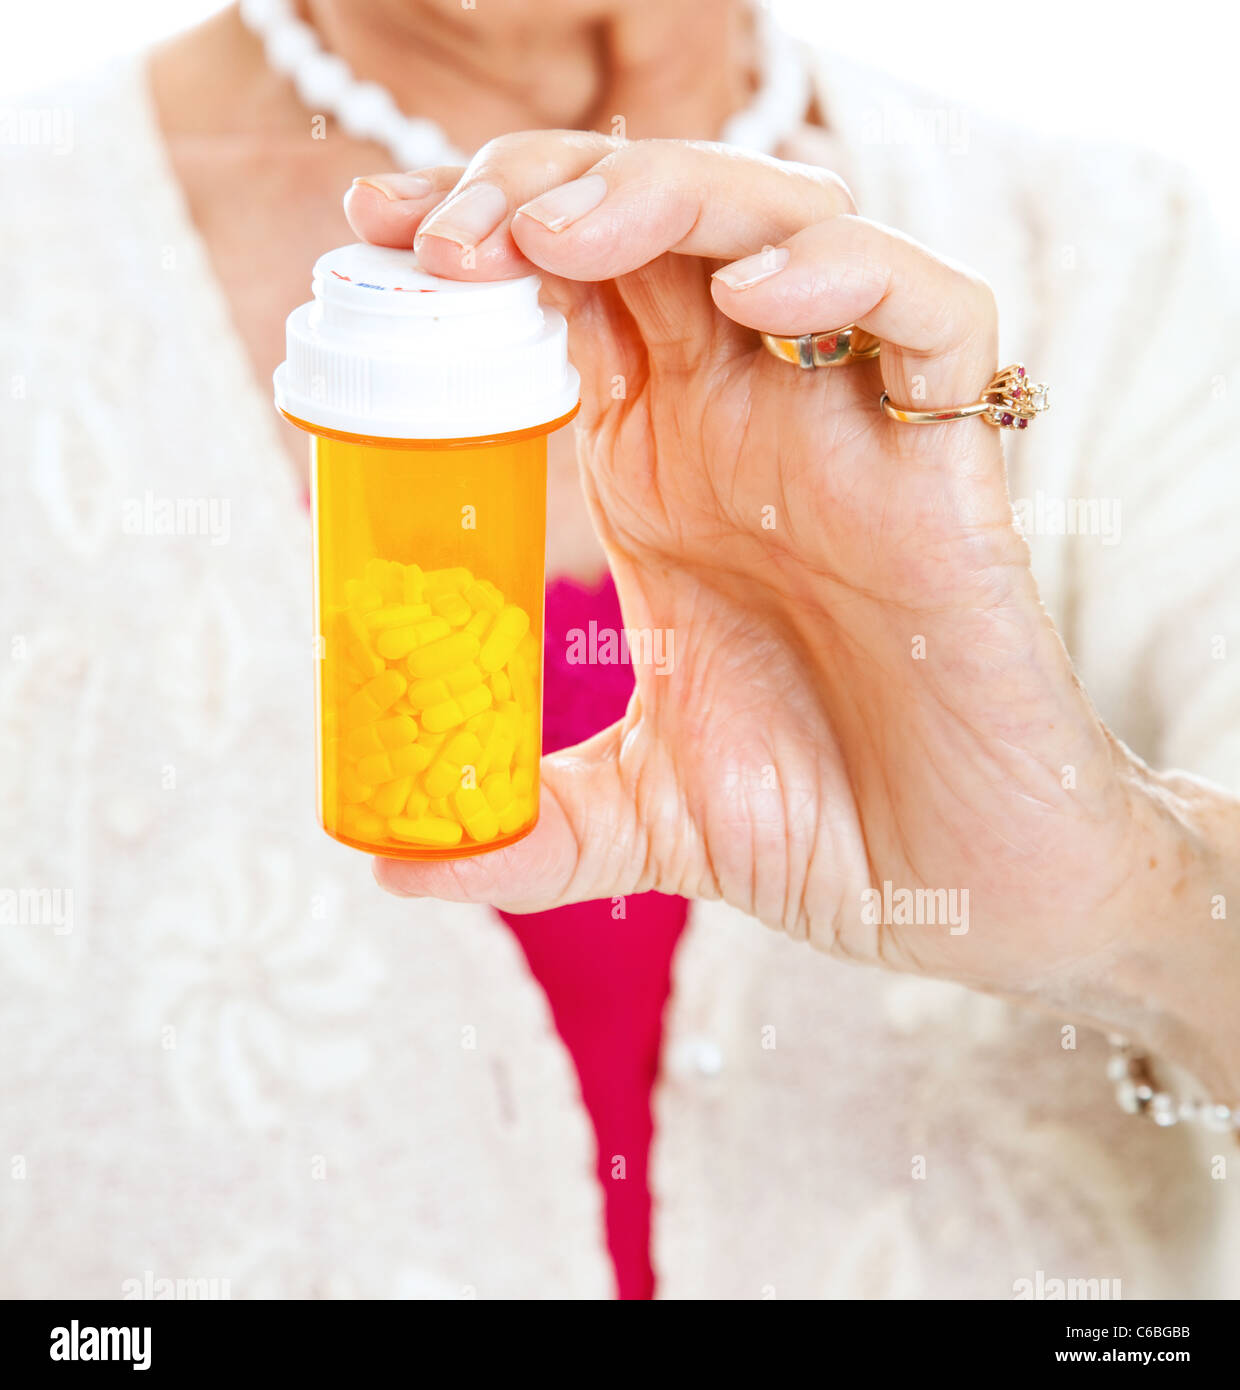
x=1172, y=982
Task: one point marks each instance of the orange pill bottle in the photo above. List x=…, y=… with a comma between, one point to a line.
x=428, y=403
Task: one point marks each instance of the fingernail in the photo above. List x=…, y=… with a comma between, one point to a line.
x=397, y=187
x=467, y=218
x=561, y=207
x=740, y=275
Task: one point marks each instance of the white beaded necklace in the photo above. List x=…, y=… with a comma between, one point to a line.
x=367, y=110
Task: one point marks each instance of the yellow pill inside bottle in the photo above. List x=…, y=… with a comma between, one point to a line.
x=428, y=403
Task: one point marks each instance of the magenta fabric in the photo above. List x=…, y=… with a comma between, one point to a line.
x=606, y=978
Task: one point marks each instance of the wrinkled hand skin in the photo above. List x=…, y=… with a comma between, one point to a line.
x=866, y=689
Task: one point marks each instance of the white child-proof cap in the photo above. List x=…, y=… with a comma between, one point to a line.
x=385, y=349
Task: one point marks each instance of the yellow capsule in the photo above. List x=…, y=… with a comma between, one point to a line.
x=386, y=576
x=385, y=689
x=474, y=701
x=463, y=748
x=515, y=815
x=483, y=727
x=381, y=736
x=396, y=731
x=432, y=691
x=510, y=717
x=523, y=681
x=344, y=652
x=528, y=750
x=402, y=706
x=414, y=584
x=484, y=596
x=476, y=815
x=431, y=629
x=363, y=823
x=499, y=752
x=509, y=628
x=412, y=758
x=498, y=790
x=482, y=724
x=360, y=742
x=465, y=678
x=460, y=751
x=447, y=581
x=418, y=804
x=426, y=830
x=447, y=654
x=396, y=642
x=360, y=597
x=431, y=742
x=390, y=799
x=396, y=615
x=452, y=608
x=374, y=698
x=501, y=686
x=441, y=779
x=480, y=623
x=441, y=807
x=376, y=768
x=441, y=717
x=522, y=782
x=350, y=634
x=352, y=788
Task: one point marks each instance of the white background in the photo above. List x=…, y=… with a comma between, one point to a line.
x=1160, y=75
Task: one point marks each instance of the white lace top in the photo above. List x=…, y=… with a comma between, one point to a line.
x=230, y=1057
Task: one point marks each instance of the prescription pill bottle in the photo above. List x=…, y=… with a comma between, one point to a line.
x=428, y=403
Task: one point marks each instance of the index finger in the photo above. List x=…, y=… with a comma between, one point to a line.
x=688, y=197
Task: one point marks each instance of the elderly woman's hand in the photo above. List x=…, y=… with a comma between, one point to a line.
x=867, y=696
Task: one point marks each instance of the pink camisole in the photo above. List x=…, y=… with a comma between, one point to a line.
x=606, y=979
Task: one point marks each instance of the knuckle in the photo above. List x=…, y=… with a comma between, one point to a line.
x=823, y=187
x=500, y=157
x=512, y=146
x=837, y=191
x=971, y=313
x=555, y=155
x=651, y=155
x=985, y=304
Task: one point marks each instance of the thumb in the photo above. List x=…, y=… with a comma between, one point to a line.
x=587, y=843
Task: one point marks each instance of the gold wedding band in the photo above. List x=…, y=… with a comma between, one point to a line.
x=1009, y=402
x=838, y=348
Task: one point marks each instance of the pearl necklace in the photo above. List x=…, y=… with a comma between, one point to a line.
x=367, y=110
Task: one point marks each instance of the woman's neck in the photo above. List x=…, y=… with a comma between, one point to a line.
x=653, y=67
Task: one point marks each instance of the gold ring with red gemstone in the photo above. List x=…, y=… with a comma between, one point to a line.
x=840, y=347
x=1009, y=402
